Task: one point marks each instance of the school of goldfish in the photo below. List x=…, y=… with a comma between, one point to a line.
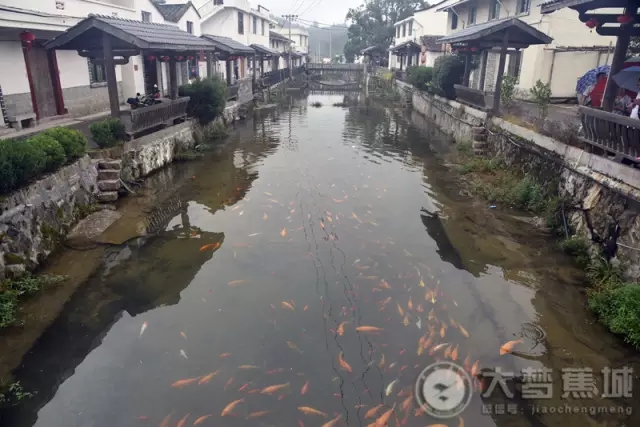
x=417, y=302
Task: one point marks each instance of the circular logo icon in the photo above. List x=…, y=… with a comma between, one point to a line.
x=444, y=390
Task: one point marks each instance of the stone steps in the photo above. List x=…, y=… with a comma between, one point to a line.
x=108, y=180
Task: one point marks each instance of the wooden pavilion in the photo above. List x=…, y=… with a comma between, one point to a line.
x=111, y=41
x=230, y=51
x=408, y=49
x=505, y=33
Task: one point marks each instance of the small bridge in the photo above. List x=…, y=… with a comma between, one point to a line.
x=335, y=68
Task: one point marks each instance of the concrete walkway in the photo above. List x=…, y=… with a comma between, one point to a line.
x=81, y=123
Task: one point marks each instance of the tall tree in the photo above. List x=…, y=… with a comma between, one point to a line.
x=371, y=24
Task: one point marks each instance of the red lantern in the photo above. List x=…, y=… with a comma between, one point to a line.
x=179, y=58
x=151, y=58
x=190, y=58
x=474, y=49
x=592, y=23
x=27, y=38
x=624, y=19
x=164, y=58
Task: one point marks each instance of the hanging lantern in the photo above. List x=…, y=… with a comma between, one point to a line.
x=164, y=58
x=474, y=49
x=190, y=58
x=179, y=58
x=592, y=23
x=27, y=38
x=624, y=19
x=151, y=58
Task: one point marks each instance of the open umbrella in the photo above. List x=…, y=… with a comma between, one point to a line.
x=590, y=77
x=628, y=78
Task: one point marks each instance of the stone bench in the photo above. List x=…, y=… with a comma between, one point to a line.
x=18, y=121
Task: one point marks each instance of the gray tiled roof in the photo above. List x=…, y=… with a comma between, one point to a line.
x=264, y=50
x=228, y=45
x=491, y=32
x=432, y=43
x=143, y=35
x=278, y=36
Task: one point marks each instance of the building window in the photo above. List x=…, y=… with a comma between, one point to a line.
x=218, y=2
x=300, y=41
x=404, y=30
x=96, y=73
x=454, y=21
x=494, y=9
x=410, y=28
x=255, y=25
x=515, y=64
x=473, y=12
x=146, y=16
x=262, y=27
x=189, y=27
x=398, y=32
x=240, y=23
x=524, y=6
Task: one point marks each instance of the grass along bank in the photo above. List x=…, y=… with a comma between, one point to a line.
x=12, y=291
x=615, y=302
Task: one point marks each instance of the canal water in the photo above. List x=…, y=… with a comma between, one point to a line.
x=306, y=276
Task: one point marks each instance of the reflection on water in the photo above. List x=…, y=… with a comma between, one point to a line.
x=309, y=273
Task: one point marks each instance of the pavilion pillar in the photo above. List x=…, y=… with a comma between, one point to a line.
x=619, y=55
x=483, y=69
x=173, y=78
x=110, y=71
x=210, y=64
x=254, y=68
x=501, y=63
x=227, y=65
x=467, y=70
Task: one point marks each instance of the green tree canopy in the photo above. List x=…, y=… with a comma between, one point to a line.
x=371, y=24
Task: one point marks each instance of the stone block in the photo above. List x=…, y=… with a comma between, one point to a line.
x=15, y=271
x=108, y=174
x=110, y=164
x=110, y=185
x=107, y=196
x=88, y=229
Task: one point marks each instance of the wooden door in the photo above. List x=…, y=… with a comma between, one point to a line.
x=42, y=84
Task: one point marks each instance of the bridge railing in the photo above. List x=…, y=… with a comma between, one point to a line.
x=336, y=67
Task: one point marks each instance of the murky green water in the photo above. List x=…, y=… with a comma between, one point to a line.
x=264, y=269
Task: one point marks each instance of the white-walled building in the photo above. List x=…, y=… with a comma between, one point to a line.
x=575, y=48
x=424, y=28
x=279, y=43
x=37, y=82
x=299, y=37
x=236, y=20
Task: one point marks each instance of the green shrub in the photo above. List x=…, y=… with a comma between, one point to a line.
x=618, y=308
x=53, y=151
x=108, y=132
x=448, y=70
x=578, y=248
x=208, y=98
x=73, y=141
x=27, y=162
x=508, y=90
x=541, y=93
x=420, y=76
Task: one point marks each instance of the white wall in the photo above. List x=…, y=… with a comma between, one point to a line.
x=13, y=77
x=147, y=6
x=77, y=8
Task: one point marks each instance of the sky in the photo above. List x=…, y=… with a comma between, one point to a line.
x=322, y=11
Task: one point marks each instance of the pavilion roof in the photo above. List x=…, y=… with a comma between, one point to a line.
x=402, y=47
x=228, y=46
x=264, y=51
x=491, y=33
x=127, y=34
x=607, y=18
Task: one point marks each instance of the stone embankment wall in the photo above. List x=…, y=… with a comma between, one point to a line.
x=35, y=218
x=599, y=194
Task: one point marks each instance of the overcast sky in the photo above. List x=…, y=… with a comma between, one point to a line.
x=323, y=11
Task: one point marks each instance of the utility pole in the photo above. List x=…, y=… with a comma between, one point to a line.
x=290, y=18
x=330, y=56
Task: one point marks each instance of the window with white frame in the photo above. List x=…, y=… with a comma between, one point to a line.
x=454, y=20
x=262, y=27
x=473, y=14
x=404, y=29
x=146, y=16
x=523, y=6
x=240, y=23
x=398, y=32
x=494, y=9
x=189, y=27
x=410, y=28
x=515, y=64
x=255, y=25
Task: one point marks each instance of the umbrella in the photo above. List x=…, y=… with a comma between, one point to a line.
x=628, y=78
x=590, y=77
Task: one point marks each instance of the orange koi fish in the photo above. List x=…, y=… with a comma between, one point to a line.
x=285, y=304
x=225, y=355
x=236, y=282
x=343, y=363
x=227, y=409
x=283, y=233
x=208, y=378
x=368, y=329
x=454, y=354
x=165, y=421
x=384, y=418
x=212, y=246
x=400, y=310
x=340, y=329
x=333, y=422
x=461, y=424
x=305, y=388
x=372, y=412
x=273, y=388
x=202, y=419
x=185, y=382
x=183, y=421
x=463, y=331
x=384, y=284
x=508, y=347
x=258, y=414
x=410, y=304
x=311, y=411
x=475, y=368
